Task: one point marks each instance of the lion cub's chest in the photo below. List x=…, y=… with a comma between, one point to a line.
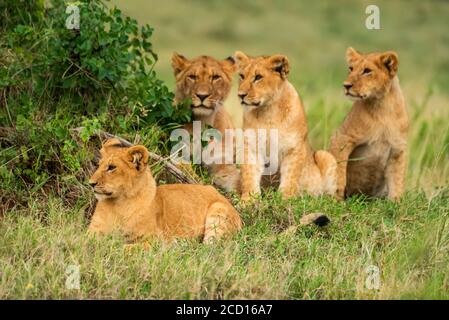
x=379, y=141
x=383, y=134
x=283, y=130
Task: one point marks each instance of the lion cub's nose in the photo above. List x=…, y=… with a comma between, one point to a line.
x=93, y=184
x=202, y=97
x=242, y=95
x=347, y=85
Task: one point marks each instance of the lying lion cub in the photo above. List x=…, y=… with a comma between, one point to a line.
x=370, y=145
x=130, y=201
x=271, y=102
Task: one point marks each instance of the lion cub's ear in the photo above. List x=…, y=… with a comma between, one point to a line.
x=178, y=63
x=240, y=57
x=138, y=155
x=352, y=55
x=229, y=65
x=390, y=60
x=279, y=63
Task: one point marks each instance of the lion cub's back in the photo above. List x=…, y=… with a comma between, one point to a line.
x=184, y=207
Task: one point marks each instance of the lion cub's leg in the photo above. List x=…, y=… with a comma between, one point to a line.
x=221, y=219
x=251, y=175
x=226, y=176
x=341, y=147
x=220, y=164
x=101, y=223
x=395, y=174
x=291, y=167
x=328, y=168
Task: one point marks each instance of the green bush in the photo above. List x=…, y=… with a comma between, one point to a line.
x=20, y=12
x=53, y=79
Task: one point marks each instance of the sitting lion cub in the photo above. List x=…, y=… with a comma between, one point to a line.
x=130, y=201
x=207, y=83
x=271, y=102
x=370, y=146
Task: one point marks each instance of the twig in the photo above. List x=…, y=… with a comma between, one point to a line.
x=7, y=108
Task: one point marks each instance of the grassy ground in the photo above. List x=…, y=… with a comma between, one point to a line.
x=271, y=258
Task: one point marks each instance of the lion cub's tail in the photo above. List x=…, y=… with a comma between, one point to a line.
x=319, y=219
x=328, y=168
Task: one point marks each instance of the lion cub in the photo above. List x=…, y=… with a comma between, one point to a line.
x=207, y=83
x=370, y=146
x=271, y=102
x=130, y=201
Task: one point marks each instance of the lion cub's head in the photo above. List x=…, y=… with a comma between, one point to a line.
x=204, y=80
x=260, y=78
x=119, y=169
x=370, y=75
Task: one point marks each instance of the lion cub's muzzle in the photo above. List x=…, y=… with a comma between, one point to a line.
x=250, y=104
x=245, y=102
x=102, y=194
x=99, y=191
x=201, y=107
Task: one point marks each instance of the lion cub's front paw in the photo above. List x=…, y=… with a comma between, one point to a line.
x=394, y=198
x=289, y=192
x=340, y=195
x=287, y=195
x=248, y=198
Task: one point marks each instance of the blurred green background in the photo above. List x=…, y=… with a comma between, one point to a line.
x=314, y=35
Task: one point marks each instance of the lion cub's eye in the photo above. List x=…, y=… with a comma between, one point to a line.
x=192, y=77
x=367, y=71
x=257, y=77
x=215, y=77
x=111, y=167
x=241, y=76
x=350, y=69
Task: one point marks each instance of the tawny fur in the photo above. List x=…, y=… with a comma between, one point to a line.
x=208, y=79
x=271, y=102
x=129, y=201
x=371, y=144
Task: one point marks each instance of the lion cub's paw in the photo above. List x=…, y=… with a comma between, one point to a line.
x=339, y=195
x=394, y=198
x=287, y=195
x=248, y=198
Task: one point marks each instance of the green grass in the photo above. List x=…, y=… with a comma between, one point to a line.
x=408, y=241
x=270, y=258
